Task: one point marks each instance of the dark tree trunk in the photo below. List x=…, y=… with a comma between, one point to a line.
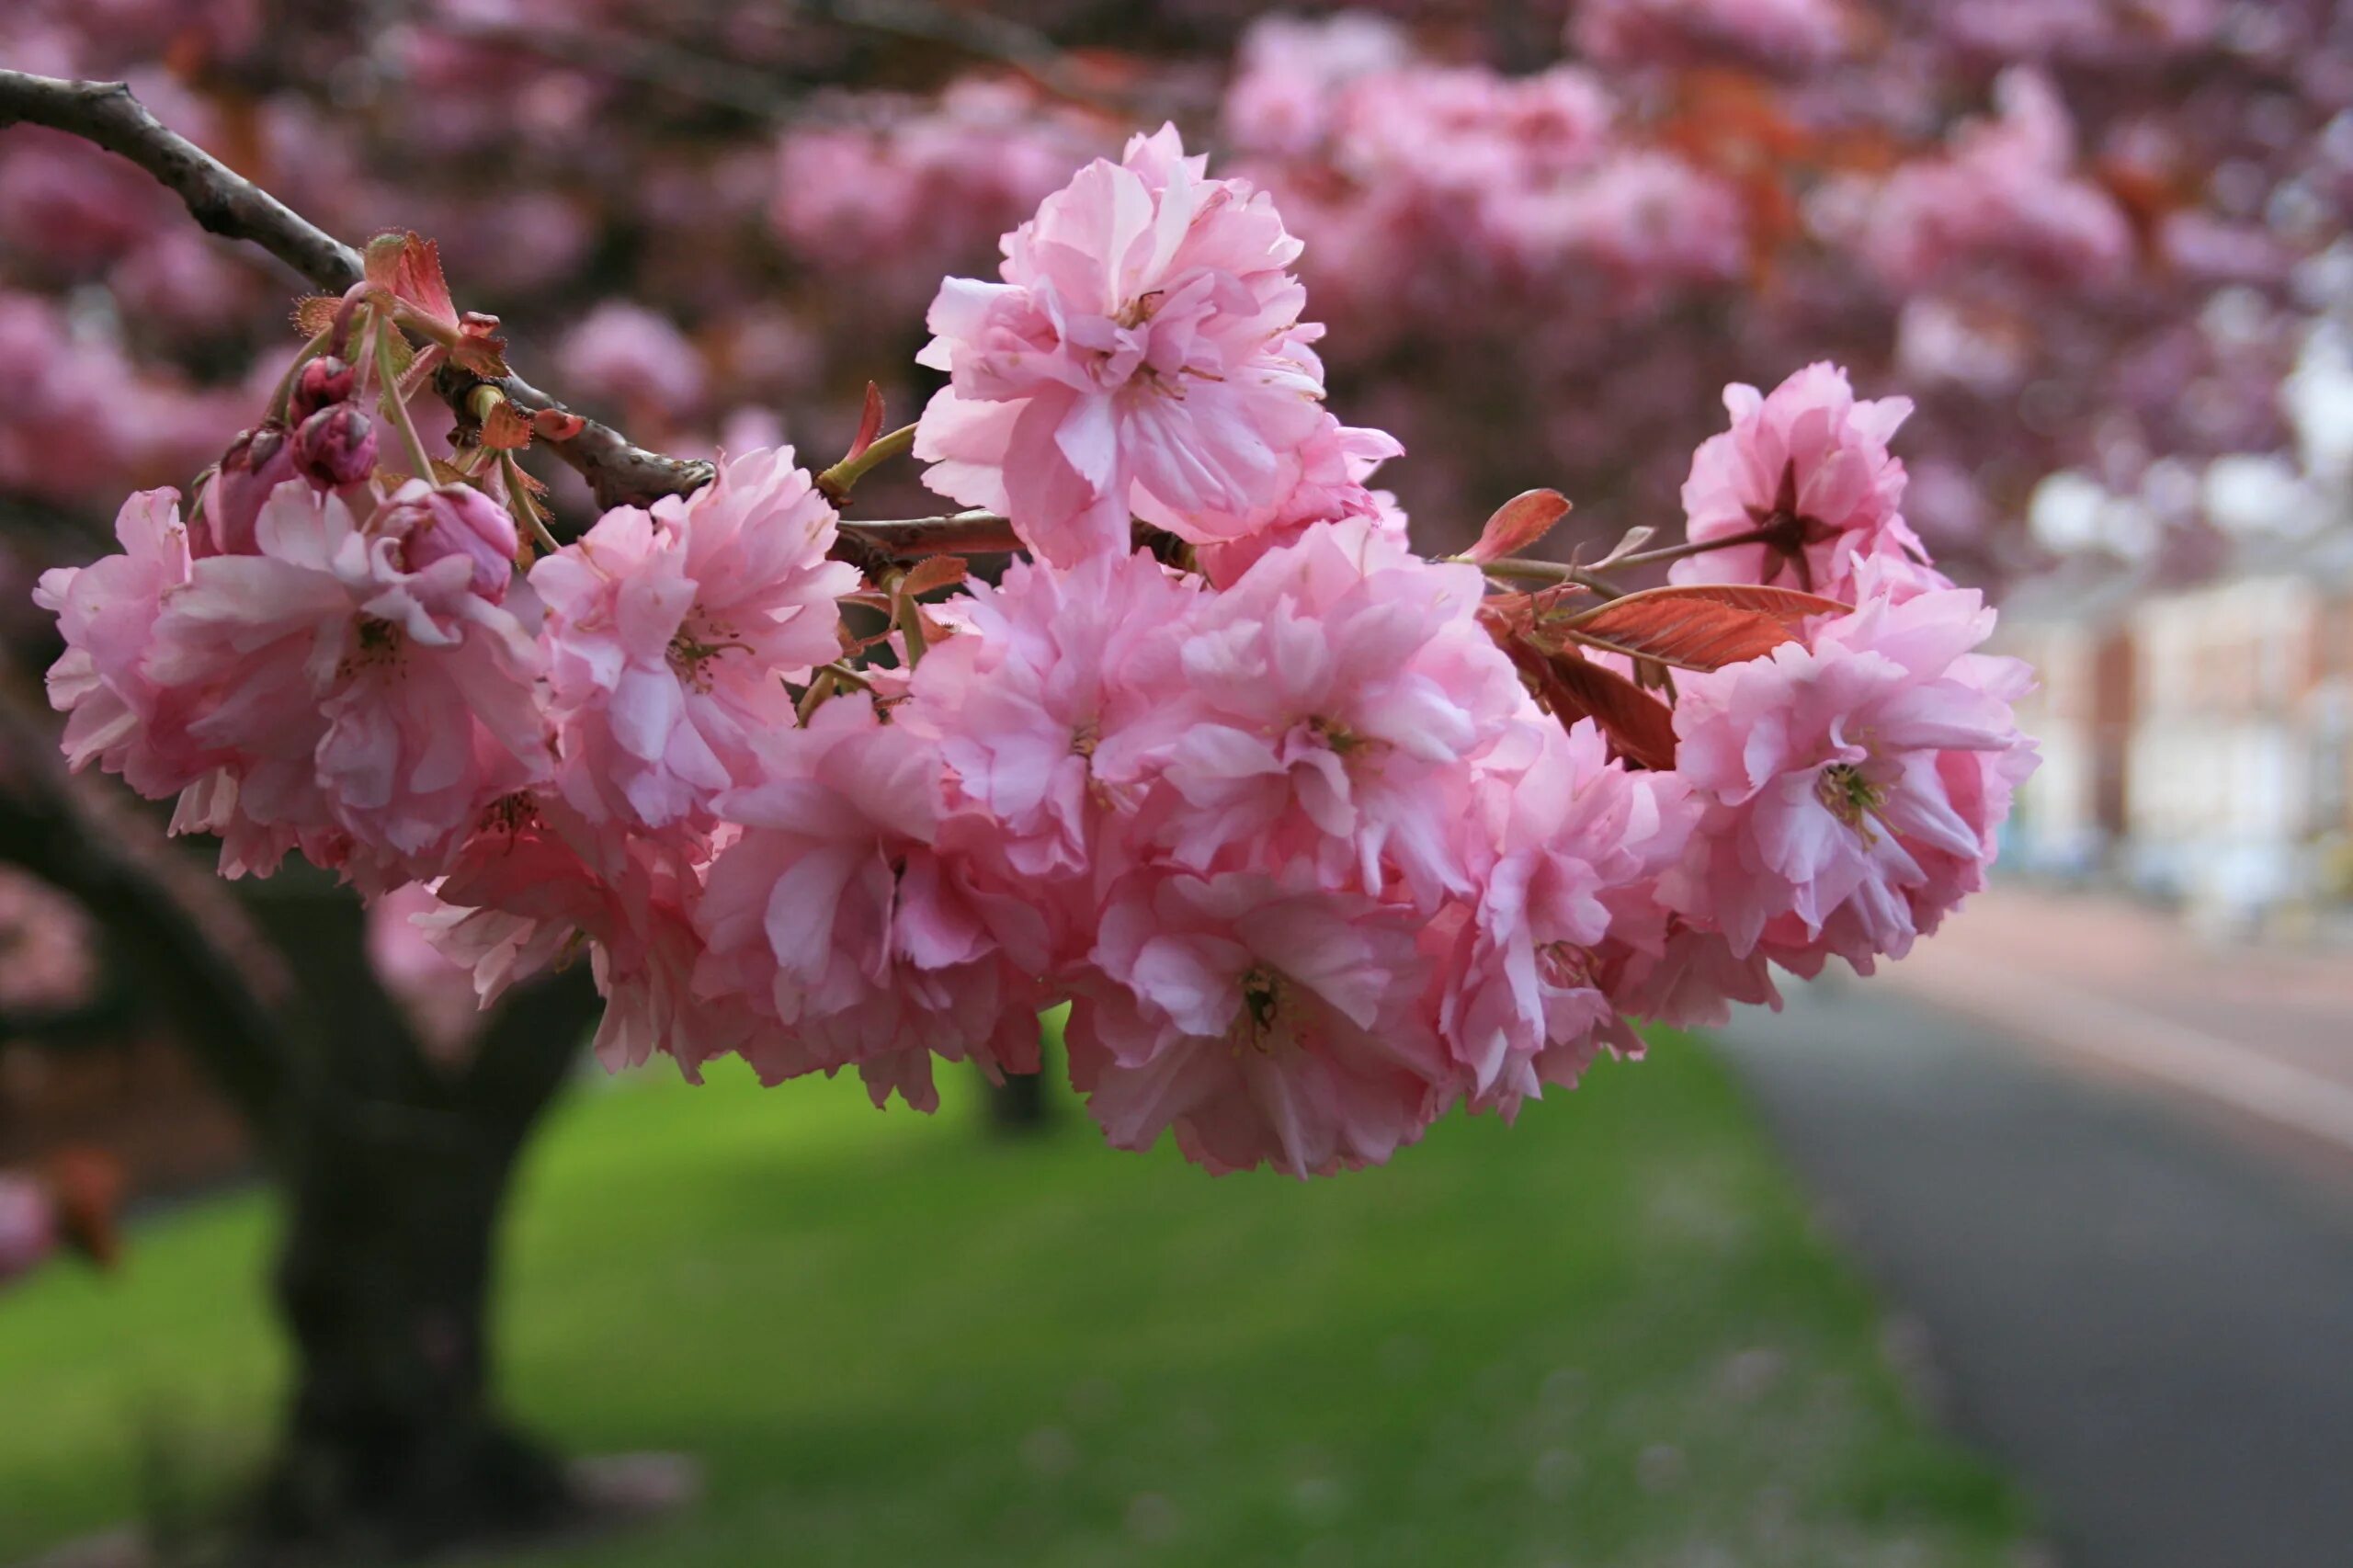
x=1019, y=1105
x=393, y=1444
x=395, y=1176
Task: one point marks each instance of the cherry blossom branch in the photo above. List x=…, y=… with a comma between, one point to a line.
x=108, y=115
x=1563, y=572
x=909, y=539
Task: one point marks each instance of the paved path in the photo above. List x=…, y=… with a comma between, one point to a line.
x=2143, y=1308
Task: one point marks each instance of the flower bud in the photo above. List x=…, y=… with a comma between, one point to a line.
x=256, y=462
x=335, y=446
x=455, y=519
x=321, y=383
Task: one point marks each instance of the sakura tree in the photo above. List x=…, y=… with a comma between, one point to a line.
x=1318, y=837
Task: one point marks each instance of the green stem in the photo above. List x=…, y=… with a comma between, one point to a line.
x=838, y=480
x=399, y=408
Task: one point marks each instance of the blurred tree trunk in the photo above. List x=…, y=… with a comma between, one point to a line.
x=393, y=1444
x=393, y=1170
x=396, y=1175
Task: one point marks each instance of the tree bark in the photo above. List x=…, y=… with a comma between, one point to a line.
x=393, y=1445
x=396, y=1178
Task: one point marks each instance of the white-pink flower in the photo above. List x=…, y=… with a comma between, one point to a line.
x=1329, y=702
x=537, y=880
x=1570, y=845
x=349, y=694
x=1846, y=784
x=118, y=716
x=834, y=920
x=1808, y=463
x=1143, y=356
x=670, y=635
x=1042, y=703
x=1267, y=1020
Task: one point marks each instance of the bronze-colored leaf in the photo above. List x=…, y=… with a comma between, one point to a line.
x=870, y=423
x=315, y=313
x=933, y=572
x=1518, y=523
x=1703, y=626
x=505, y=429
x=1640, y=727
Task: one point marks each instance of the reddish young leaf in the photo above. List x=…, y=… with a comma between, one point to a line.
x=1702, y=626
x=505, y=429
x=1518, y=523
x=1640, y=727
x=410, y=267
x=557, y=424
x=315, y=313
x=933, y=572
x=1688, y=634
x=870, y=423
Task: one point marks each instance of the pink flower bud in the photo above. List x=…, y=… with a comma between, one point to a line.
x=256, y=462
x=335, y=446
x=321, y=383
x=455, y=519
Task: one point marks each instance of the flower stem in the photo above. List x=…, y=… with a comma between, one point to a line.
x=838, y=482
x=399, y=409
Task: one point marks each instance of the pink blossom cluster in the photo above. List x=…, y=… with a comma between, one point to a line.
x=891, y=192
x=2009, y=193
x=1313, y=833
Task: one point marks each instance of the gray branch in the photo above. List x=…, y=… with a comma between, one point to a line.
x=108, y=115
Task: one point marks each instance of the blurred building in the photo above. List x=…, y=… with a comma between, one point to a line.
x=2197, y=741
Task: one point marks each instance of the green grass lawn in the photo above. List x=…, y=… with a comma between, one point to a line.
x=1606, y=1336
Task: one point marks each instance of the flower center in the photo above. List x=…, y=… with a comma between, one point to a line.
x=1334, y=734
x=376, y=646
x=697, y=644
x=1262, y=1004
x=1565, y=966
x=1850, y=797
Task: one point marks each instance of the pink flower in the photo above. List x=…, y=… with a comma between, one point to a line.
x=535, y=879
x=433, y=990
x=348, y=692
x=1572, y=844
x=635, y=360
x=437, y=522
x=1811, y=462
x=1042, y=702
x=257, y=463
x=671, y=634
x=2006, y=198
x=49, y=948
x=27, y=1226
x=1267, y=1020
x=119, y=716
x=833, y=919
x=1328, y=703
x=1143, y=355
x=1334, y=465
x=1852, y=788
